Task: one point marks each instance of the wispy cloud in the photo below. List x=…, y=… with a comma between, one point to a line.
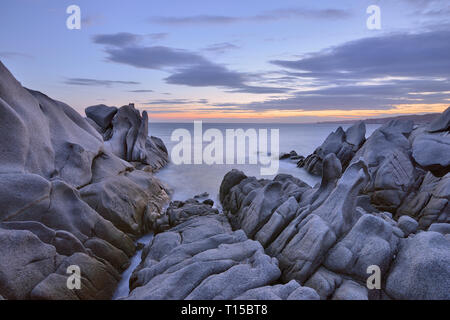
x=97, y=82
x=221, y=47
x=175, y=102
x=155, y=57
x=185, y=67
x=125, y=39
x=141, y=91
x=273, y=15
x=14, y=54
x=407, y=55
x=120, y=39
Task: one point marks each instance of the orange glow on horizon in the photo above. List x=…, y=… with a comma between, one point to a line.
x=198, y=114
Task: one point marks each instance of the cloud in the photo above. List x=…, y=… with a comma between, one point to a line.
x=141, y=91
x=91, y=20
x=213, y=75
x=186, y=67
x=408, y=55
x=14, y=54
x=158, y=36
x=126, y=39
x=176, y=102
x=273, y=15
x=96, y=82
x=221, y=47
x=155, y=57
x=205, y=75
x=120, y=39
x=371, y=73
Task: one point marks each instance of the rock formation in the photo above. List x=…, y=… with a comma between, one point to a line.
x=343, y=144
x=67, y=198
x=125, y=133
x=79, y=191
x=197, y=256
x=384, y=208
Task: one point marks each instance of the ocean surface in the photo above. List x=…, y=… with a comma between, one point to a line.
x=188, y=180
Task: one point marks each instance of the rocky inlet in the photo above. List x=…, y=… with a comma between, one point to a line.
x=81, y=191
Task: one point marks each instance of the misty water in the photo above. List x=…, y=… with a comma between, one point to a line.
x=188, y=180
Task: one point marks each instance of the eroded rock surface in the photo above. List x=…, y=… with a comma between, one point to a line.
x=200, y=257
x=66, y=199
x=125, y=132
x=374, y=213
x=343, y=144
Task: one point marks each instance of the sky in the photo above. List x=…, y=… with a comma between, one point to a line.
x=234, y=61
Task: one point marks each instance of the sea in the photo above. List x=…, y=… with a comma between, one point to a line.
x=187, y=180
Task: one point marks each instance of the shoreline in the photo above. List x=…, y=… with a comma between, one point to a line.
x=82, y=191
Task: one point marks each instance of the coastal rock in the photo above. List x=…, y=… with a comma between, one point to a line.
x=350, y=290
x=372, y=213
x=133, y=211
x=324, y=282
x=101, y=114
x=443, y=228
x=441, y=123
x=429, y=203
x=52, y=160
x=371, y=241
x=408, y=225
x=128, y=137
x=25, y=262
x=391, y=171
x=201, y=247
x=432, y=152
x=421, y=269
x=431, y=146
x=289, y=291
x=292, y=156
x=343, y=144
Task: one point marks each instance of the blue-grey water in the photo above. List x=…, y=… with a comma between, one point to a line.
x=123, y=288
x=187, y=180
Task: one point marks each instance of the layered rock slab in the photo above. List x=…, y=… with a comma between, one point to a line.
x=200, y=257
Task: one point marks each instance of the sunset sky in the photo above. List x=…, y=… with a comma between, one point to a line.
x=226, y=61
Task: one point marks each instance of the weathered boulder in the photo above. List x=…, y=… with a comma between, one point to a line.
x=289, y=291
x=101, y=114
x=125, y=133
x=25, y=261
x=429, y=203
x=343, y=144
x=421, y=269
x=350, y=290
x=431, y=145
x=408, y=225
x=391, y=171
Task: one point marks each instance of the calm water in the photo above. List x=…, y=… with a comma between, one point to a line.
x=189, y=180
